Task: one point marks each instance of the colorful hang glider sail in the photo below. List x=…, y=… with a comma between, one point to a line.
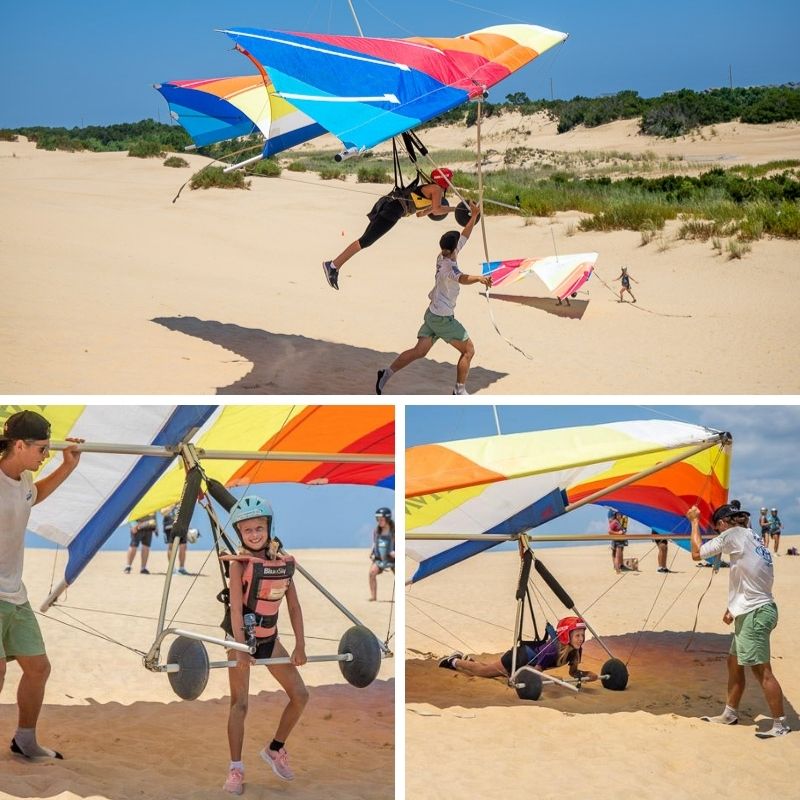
x=218, y=109
x=563, y=275
x=362, y=90
x=508, y=484
x=108, y=488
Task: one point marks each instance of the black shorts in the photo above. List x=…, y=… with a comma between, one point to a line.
x=615, y=544
x=168, y=537
x=381, y=222
x=143, y=538
x=524, y=656
x=662, y=541
x=264, y=647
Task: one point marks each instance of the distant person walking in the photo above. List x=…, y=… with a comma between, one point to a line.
x=142, y=531
x=751, y=607
x=763, y=521
x=616, y=528
x=626, y=279
x=24, y=447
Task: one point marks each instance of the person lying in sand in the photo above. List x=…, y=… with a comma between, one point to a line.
x=260, y=578
x=562, y=645
x=388, y=211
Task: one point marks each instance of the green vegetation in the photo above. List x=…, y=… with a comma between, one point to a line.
x=374, y=174
x=176, y=161
x=214, y=177
x=266, y=168
x=107, y=138
x=297, y=166
x=8, y=136
x=145, y=148
x=671, y=114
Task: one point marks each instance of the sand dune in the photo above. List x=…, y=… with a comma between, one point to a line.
x=123, y=291
x=125, y=734
x=646, y=741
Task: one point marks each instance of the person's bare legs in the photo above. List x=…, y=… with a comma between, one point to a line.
x=736, y=682
x=662, y=556
x=420, y=350
x=467, y=350
x=145, y=556
x=373, y=582
x=239, y=678
x=289, y=678
x=479, y=670
x=131, y=554
x=771, y=688
x=346, y=254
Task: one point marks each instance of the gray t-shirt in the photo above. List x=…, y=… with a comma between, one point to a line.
x=445, y=291
x=16, y=500
x=750, y=583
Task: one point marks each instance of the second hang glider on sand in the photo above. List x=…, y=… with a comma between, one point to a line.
x=362, y=90
x=650, y=470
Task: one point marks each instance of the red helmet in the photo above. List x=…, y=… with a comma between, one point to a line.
x=442, y=177
x=566, y=626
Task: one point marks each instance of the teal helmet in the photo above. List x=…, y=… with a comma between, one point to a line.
x=250, y=507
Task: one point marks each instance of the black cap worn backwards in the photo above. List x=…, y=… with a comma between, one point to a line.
x=26, y=425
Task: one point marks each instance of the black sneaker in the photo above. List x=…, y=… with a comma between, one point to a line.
x=331, y=275
x=447, y=663
x=378, y=389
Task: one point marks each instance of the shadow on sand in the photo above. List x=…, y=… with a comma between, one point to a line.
x=291, y=364
x=575, y=310
x=179, y=750
x=665, y=678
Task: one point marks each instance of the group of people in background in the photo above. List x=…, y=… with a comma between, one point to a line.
x=142, y=532
x=771, y=527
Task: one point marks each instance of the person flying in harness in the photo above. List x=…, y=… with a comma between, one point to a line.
x=560, y=645
x=260, y=577
x=382, y=553
x=421, y=199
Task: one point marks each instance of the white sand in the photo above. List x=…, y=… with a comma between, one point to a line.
x=125, y=734
x=474, y=737
x=120, y=291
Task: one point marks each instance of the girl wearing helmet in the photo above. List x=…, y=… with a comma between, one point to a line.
x=260, y=578
x=388, y=211
x=382, y=553
x=561, y=645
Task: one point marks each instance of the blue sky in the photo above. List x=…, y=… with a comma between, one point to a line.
x=87, y=62
x=765, y=468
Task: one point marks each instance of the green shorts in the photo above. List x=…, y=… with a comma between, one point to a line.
x=19, y=631
x=751, y=633
x=448, y=329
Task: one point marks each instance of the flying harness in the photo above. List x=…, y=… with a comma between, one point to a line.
x=264, y=584
x=409, y=195
x=382, y=549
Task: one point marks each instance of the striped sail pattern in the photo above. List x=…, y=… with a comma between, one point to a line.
x=511, y=483
x=562, y=275
x=108, y=489
x=366, y=90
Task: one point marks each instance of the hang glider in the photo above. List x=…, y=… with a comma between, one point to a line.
x=114, y=483
x=650, y=470
x=362, y=90
x=215, y=110
x=563, y=275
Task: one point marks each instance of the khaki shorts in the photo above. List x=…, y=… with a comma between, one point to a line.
x=19, y=631
x=448, y=329
x=750, y=642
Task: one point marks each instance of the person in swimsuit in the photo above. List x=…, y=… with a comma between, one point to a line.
x=626, y=284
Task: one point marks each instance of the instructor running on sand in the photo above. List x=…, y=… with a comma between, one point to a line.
x=440, y=322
